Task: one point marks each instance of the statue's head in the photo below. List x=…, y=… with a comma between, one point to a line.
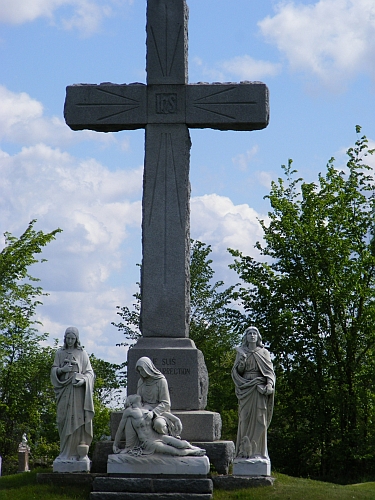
x=72, y=332
x=146, y=369
x=249, y=334
x=133, y=400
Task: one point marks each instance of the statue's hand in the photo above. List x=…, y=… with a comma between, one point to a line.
x=149, y=415
x=79, y=383
x=116, y=449
x=268, y=390
x=66, y=368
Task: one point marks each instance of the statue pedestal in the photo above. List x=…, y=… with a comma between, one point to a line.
x=251, y=467
x=70, y=466
x=150, y=465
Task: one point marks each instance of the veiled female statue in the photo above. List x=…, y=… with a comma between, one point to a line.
x=254, y=380
x=73, y=381
x=154, y=392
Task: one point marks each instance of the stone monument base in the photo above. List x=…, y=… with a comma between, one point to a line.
x=219, y=453
x=251, y=467
x=110, y=488
x=150, y=465
x=69, y=466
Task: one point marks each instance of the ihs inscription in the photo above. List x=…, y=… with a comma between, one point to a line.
x=166, y=103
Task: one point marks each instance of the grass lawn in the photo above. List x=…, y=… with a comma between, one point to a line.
x=24, y=487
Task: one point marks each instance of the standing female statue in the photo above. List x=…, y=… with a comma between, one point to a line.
x=254, y=380
x=73, y=381
x=154, y=392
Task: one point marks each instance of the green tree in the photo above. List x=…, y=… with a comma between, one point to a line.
x=110, y=380
x=27, y=399
x=314, y=299
x=215, y=326
x=22, y=360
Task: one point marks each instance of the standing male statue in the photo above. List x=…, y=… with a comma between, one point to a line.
x=73, y=381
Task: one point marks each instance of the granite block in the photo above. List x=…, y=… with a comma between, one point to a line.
x=144, y=485
x=180, y=362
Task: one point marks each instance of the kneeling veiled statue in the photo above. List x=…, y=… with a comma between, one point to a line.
x=73, y=381
x=254, y=379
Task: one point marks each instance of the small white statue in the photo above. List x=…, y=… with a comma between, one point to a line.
x=142, y=439
x=23, y=446
x=73, y=381
x=254, y=380
x=154, y=392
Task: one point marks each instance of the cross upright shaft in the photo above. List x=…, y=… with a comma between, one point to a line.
x=166, y=107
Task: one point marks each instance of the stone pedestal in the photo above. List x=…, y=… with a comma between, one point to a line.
x=23, y=461
x=108, y=488
x=252, y=467
x=71, y=466
x=157, y=464
x=219, y=453
x=180, y=362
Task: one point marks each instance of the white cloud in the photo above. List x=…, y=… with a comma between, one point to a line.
x=242, y=160
x=216, y=221
x=264, y=178
x=330, y=39
x=238, y=68
x=22, y=121
x=247, y=68
x=84, y=15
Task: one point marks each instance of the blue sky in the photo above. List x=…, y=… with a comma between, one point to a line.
x=315, y=56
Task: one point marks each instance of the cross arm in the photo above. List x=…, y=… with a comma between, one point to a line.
x=227, y=106
x=106, y=107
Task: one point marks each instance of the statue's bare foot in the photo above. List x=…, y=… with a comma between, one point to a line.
x=197, y=452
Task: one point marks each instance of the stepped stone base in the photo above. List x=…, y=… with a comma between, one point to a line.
x=241, y=482
x=113, y=488
x=79, y=478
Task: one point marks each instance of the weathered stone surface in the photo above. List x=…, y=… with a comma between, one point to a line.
x=106, y=106
x=158, y=464
x=67, y=479
x=165, y=232
x=227, y=106
x=220, y=453
x=100, y=455
x=252, y=467
x=200, y=425
x=238, y=482
x=144, y=485
x=181, y=363
x=167, y=42
x=99, y=495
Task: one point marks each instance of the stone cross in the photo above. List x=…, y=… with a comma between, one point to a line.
x=166, y=107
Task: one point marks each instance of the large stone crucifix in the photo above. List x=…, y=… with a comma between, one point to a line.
x=166, y=107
